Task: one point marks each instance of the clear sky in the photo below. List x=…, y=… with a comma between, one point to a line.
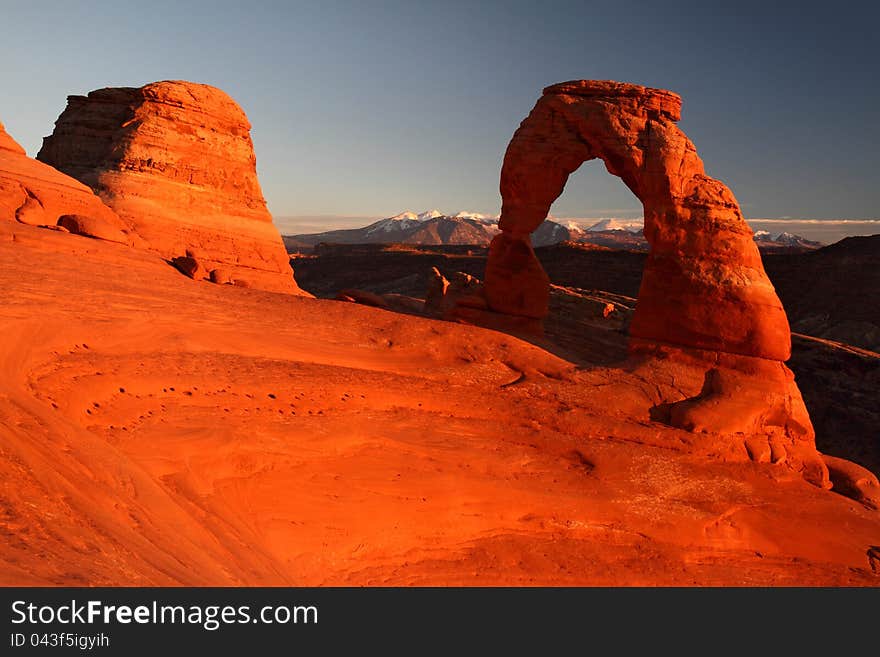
x=368, y=108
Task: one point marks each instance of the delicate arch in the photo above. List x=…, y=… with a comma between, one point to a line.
x=704, y=285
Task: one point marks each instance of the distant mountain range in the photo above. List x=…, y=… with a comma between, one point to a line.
x=471, y=228
x=784, y=242
x=430, y=227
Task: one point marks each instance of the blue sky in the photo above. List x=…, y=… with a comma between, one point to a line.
x=367, y=108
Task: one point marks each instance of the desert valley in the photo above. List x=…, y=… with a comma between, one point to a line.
x=187, y=398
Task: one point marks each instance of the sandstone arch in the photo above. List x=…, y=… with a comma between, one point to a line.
x=703, y=285
x=705, y=304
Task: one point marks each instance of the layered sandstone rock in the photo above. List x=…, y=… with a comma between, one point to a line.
x=702, y=252
x=704, y=293
x=34, y=193
x=176, y=160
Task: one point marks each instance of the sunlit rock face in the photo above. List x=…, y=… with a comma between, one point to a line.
x=176, y=160
x=702, y=252
x=36, y=194
x=704, y=296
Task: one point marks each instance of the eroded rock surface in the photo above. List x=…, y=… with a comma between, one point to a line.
x=704, y=295
x=702, y=251
x=153, y=435
x=176, y=160
x=36, y=194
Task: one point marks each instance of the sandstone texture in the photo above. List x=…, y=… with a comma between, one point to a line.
x=152, y=435
x=702, y=253
x=175, y=159
x=704, y=295
x=838, y=383
x=34, y=193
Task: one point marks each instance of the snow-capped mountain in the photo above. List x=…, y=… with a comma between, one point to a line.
x=403, y=221
x=787, y=242
x=610, y=233
x=629, y=225
x=429, y=227
x=406, y=215
x=465, y=227
x=409, y=215
x=476, y=216
x=791, y=239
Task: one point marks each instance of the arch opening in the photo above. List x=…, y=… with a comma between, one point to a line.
x=587, y=184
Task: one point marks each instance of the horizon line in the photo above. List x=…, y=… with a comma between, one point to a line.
x=575, y=218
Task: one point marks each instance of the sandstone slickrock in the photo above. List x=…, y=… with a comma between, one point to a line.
x=704, y=295
x=34, y=193
x=176, y=160
x=153, y=436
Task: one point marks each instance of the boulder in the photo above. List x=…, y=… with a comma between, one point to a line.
x=854, y=481
x=191, y=267
x=222, y=276
x=102, y=228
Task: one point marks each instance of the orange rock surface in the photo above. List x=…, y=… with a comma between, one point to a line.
x=157, y=430
x=175, y=159
x=704, y=295
x=36, y=194
x=704, y=285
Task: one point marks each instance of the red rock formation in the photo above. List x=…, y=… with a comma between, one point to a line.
x=444, y=297
x=703, y=290
x=34, y=193
x=702, y=252
x=176, y=159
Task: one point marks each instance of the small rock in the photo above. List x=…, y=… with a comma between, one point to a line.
x=221, y=276
x=98, y=228
x=190, y=266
